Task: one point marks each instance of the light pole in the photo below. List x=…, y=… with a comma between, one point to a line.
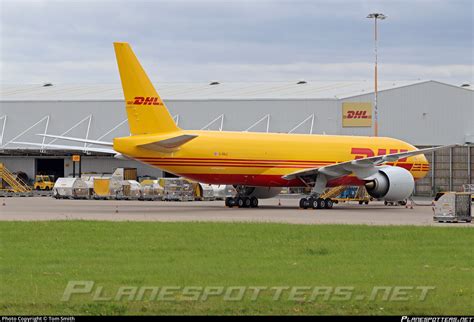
x=376, y=16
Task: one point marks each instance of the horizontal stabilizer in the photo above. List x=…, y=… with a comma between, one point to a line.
x=67, y=147
x=170, y=143
x=68, y=138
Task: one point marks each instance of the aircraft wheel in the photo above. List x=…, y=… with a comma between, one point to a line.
x=229, y=202
x=360, y=202
x=321, y=203
x=247, y=202
x=313, y=203
x=304, y=203
x=240, y=202
x=253, y=202
x=329, y=203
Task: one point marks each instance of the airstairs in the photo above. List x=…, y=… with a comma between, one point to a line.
x=16, y=184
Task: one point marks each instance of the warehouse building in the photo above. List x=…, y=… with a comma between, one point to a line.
x=424, y=113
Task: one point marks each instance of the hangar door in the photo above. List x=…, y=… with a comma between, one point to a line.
x=52, y=167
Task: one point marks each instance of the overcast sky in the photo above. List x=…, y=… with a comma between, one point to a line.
x=71, y=41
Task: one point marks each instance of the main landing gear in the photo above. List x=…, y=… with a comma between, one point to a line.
x=241, y=202
x=316, y=203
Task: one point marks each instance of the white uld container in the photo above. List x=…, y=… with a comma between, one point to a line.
x=134, y=191
x=72, y=188
x=453, y=207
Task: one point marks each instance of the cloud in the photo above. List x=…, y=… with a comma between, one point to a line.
x=71, y=41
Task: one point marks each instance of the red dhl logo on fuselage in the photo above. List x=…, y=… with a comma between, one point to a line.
x=367, y=153
x=140, y=100
x=357, y=115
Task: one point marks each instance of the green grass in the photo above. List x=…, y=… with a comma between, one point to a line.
x=39, y=258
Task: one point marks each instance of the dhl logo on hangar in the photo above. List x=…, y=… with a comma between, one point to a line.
x=140, y=100
x=356, y=114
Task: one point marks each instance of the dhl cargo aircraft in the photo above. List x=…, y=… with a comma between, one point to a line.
x=257, y=164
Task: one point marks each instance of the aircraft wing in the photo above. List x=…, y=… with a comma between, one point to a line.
x=68, y=147
x=363, y=168
x=59, y=137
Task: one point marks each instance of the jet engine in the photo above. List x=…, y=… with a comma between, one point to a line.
x=391, y=184
x=259, y=192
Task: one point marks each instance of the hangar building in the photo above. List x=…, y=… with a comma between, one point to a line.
x=424, y=113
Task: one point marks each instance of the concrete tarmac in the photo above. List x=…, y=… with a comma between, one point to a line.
x=46, y=208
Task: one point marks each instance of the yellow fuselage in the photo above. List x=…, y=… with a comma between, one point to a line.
x=261, y=159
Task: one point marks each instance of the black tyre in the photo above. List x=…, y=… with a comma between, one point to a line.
x=240, y=202
x=360, y=202
x=247, y=202
x=232, y=202
x=253, y=202
x=303, y=203
x=312, y=203
x=329, y=203
x=321, y=203
x=229, y=202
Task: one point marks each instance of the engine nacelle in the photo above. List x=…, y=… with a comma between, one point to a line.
x=259, y=192
x=391, y=184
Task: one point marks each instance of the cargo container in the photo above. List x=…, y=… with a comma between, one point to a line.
x=70, y=188
x=101, y=188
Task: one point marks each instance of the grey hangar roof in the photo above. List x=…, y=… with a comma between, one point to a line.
x=203, y=91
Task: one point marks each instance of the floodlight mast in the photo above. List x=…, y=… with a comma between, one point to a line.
x=376, y=16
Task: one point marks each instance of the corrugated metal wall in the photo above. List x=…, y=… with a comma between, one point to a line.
x=451, y=169
x=238, y=116
x=423, y=114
